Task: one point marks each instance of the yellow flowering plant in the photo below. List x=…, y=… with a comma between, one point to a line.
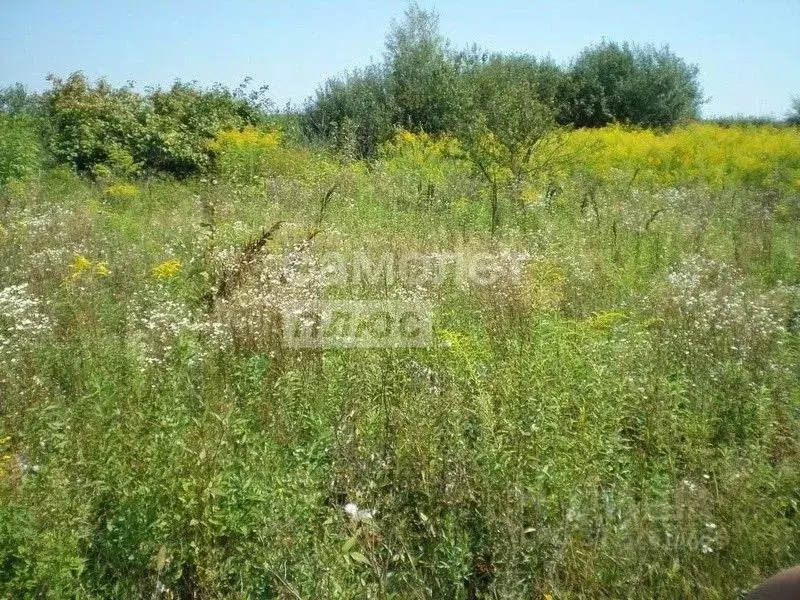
x=167, y=269
x=764, y=156
x=245, y=155
x=122, y=191
x=421, y=161
x=81, y=267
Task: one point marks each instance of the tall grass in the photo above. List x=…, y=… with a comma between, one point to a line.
x=616, y=416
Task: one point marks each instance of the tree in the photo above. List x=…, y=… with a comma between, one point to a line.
x=16, y=100
x=638, y=85
x=508, y=121
x=355, y=113
x=182, y=120
x=97, y=129
x=19, y=147
x=794, y=114
x=422, y=75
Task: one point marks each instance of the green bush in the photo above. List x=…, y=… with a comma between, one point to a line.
x=794, y=115
x=354, y=114
x=19, y=148
x=107, y=131
x=625, y=83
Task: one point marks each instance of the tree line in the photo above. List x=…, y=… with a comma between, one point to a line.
x=499, y=106
x=423, y=84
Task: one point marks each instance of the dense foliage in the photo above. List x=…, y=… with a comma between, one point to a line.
x=423, y=85
x=794, y=115
x=354, y=113
x=613, y=413
x=629, y=84
x=103, y=130
x=607, y=405
x=20, y=153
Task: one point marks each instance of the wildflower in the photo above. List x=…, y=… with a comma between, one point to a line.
x=21, y=321
x=121, y=191
x=167, y=269
x=79, y=266
x=102, y=269
x=358, y=514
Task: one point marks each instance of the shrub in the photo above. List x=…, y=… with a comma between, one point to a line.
x=637, y=85
x=416, y=88
x=19, y=148
x=422, y=77
x=107, y=131
x=244, y=155
x=354, y=113
x=185, y=118
x=794, y=114
x=15, y=100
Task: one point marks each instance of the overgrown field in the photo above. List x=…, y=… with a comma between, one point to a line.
x=611, y=411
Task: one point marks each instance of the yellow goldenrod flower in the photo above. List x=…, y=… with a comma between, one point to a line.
x=80, y=264
x=102, y=269
x=122, y=191
x=249, y=137
x=167, y=269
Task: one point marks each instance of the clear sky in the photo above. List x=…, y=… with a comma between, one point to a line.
x=748, y=51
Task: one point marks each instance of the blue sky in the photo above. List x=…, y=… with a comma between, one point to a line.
x=748, y=51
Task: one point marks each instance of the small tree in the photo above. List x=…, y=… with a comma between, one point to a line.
x=508, y=121
x=639, y=85
x=794, y=114
x=16, y=100
x=422, y=76
x=355, y=113
x=184, y=119
x=96, y=128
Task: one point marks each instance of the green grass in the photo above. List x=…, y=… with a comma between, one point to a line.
x=620, y=422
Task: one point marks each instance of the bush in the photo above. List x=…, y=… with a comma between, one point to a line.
x=794, y=115
x=185, y=118
x=107, y=131
x=16, y=100
x=416, y=88
x=354, y=114
x=637, y=85
x=422, y=76
x=19, y=148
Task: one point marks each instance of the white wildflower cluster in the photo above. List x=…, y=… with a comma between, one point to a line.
x=22, y=321
x=708, y=539
x=44, y=239
x=44, y=219
x=709, y=312
x=276, y=286
x=160, y=324
x=357, y=514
